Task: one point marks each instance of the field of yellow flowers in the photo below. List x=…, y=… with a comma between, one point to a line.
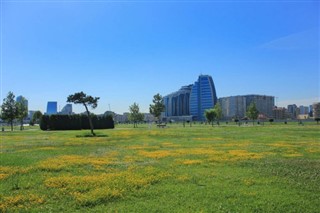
x=227, y=168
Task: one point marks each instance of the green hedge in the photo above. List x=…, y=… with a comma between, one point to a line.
x=75, y=122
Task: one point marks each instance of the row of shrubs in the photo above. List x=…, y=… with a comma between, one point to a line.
x=75, y=122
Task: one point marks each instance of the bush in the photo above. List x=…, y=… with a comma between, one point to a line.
x=75, y=122
x=44, y=122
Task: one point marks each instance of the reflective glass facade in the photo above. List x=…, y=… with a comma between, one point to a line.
x=51, y=107
x=192, y=100
x=203, y=96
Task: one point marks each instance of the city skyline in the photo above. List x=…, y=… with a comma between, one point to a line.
x=126, y=52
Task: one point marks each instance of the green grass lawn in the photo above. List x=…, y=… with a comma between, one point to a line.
x=270, y=168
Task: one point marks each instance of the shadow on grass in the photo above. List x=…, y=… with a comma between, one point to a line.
x=91, y=136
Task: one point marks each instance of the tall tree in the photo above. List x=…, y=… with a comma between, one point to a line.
x=9, y=109
x=210, y=115
x=22, y=110
x=86, y=100
x=36, y=117
x=135, y=116
x=157, y=107
x=252, y=112
x=218, y=112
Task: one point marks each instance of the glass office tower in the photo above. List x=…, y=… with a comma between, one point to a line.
x=203, y=96
x=52, y=108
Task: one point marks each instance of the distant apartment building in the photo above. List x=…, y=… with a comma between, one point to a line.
x=124, y=118
x=233, y=106
x=264, y=104
x=303, y=110
x=311, y=111
x=177, y=103
x=280, y=113
x=52, y=108
x=292, y=111
x=190, y=102
x=66, y=110
x=236, y=106
x=148, y=117
x=316, y=110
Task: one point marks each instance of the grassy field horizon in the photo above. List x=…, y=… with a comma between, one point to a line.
x=226, y=168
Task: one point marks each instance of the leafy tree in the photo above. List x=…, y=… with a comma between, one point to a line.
x=22, y=110
x=86, y=100
x=271, y=120
x=218, y=112
x=210, y=115
x=252, y=112
x=157, y=107
x=135, y=116
x=36, y=117
x=9, y=109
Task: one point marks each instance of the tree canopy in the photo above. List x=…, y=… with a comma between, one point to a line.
x=210, y=115
x=218, y=111
x=9, y=109
x=135, y=116
x=252, y=112
x=36, y=117
x=157, y=107
x=22, y=110
x=86, y=100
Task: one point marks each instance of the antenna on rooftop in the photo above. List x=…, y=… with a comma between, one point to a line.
x=109, y=108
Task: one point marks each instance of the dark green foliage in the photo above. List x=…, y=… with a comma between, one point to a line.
x=210, y=115
x=218, y=112
x=86, y=100
x=44, y=122
x=9, y=109
x=157, y=107
x=104, y=122
x=36, y=117
x=135, y=116
x=22, y=110
x=74, y=122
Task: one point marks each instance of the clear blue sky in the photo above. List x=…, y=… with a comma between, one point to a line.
x=127, y=51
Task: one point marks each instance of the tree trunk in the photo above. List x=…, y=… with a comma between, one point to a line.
x=11, y=124
x=90, y=121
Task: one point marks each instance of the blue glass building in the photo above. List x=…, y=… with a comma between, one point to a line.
x=52, y=107
x=191, y=101
x=203, y=96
